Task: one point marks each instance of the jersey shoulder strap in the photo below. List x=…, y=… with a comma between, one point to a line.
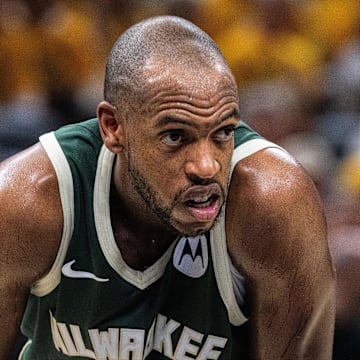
x=248, y=142
x=73, y=151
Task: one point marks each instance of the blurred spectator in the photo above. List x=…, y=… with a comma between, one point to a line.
x=343, y=210
x=349, y=172
x=316, y=155
x=344, y=239
x=23, y=119
x=274, y=108
x=330, y=23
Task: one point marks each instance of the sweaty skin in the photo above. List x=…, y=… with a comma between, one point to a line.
x=179, y=145
x=278, y=241
x=30, y=228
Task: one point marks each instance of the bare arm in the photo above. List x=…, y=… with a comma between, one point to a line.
x=278, y=240
x=30, y=231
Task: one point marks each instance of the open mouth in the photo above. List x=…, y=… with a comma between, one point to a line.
x=204, y=209
x=202, y=203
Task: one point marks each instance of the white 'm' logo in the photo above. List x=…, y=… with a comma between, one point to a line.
x=191, y=256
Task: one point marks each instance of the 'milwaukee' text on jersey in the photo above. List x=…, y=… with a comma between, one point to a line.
x=135, y=344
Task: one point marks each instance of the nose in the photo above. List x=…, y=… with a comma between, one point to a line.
x=202, y=163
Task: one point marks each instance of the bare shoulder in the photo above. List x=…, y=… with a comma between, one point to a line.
x=276, y=236
x=274, y=214
x=31, y=215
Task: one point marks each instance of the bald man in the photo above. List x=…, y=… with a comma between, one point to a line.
x=165, y=228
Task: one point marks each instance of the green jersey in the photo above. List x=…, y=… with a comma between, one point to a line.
x=92, y=305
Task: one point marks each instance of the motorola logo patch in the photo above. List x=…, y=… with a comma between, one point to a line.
x=191, y=256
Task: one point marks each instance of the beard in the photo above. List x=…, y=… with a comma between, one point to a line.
x=148, y=195
x=162, y=212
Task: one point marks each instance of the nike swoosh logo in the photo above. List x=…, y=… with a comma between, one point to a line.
x=77, y=274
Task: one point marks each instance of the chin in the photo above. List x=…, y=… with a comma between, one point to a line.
x=188, y=226
x=193, y=231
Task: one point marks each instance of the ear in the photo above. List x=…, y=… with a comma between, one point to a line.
x=111, y=127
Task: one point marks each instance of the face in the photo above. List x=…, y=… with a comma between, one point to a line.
x=179, y=150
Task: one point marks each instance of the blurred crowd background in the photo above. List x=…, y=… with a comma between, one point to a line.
x=297, y=64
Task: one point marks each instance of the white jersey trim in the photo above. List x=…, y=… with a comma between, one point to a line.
x=49, y=142
x=230, y=281
x=22, y=352
x=140, y=279
x=249, y=148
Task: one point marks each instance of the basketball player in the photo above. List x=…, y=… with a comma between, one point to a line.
x=144, y=234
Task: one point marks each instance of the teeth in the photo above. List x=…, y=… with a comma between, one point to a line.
x=203, y=205
x=200, y=203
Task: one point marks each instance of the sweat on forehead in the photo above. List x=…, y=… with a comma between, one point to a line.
x=169, y=40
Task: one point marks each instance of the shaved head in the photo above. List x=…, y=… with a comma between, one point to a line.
x=167, y=42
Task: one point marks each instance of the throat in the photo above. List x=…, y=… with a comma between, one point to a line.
x=140, y=253
x=140, y=243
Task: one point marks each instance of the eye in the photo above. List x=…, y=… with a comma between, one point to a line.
x=224, y=134
x=173, y=137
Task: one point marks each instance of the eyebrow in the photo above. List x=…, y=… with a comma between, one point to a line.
x=166, y=120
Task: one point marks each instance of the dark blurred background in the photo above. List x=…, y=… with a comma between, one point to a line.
x=297, y=64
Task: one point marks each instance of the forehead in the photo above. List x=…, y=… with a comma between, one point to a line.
x=199, y=85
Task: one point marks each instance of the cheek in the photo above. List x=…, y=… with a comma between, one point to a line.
x=224, y=159
x=168, y=175
x=166, y=166
x=162, y=173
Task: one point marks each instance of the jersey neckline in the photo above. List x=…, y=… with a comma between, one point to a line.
x=111, y=251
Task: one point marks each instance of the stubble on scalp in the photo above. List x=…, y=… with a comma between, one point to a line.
x=170, y=40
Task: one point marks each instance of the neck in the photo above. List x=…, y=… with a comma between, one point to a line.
x=140, y=236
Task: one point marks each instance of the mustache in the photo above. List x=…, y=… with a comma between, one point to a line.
x=195, y=180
